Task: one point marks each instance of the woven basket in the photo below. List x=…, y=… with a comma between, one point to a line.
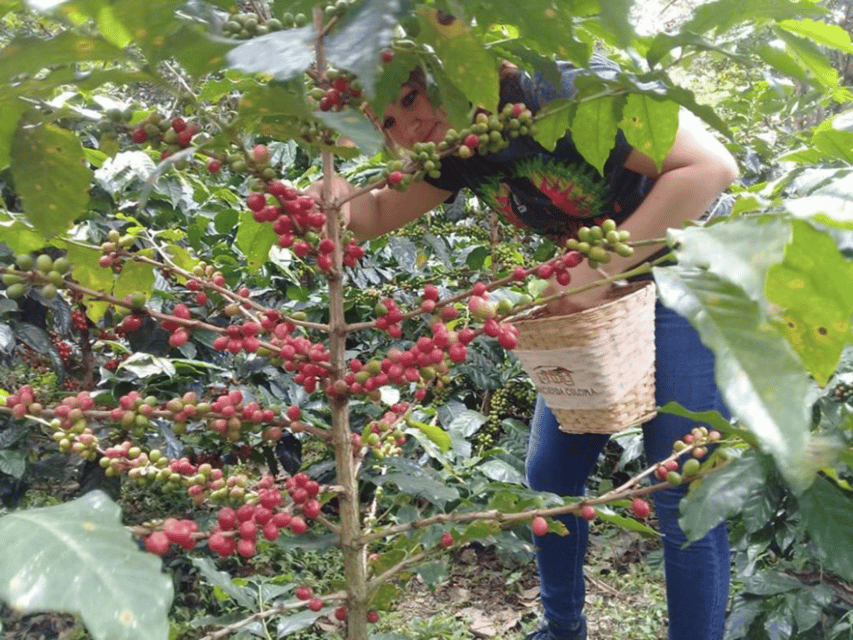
x=596, y=367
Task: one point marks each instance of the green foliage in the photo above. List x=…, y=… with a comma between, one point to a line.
x=82, y=541
x=766, y=287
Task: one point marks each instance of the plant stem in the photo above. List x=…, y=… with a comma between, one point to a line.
x=352, y=548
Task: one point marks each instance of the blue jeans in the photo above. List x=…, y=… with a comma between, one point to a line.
x=697, y=575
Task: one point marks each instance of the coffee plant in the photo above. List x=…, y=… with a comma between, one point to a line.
x=184, y=316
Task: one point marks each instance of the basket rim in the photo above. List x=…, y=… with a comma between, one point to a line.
x=621, y=291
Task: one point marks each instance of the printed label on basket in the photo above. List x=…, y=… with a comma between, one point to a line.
x=569, y=379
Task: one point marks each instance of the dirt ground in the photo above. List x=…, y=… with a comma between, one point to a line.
x=498, y=602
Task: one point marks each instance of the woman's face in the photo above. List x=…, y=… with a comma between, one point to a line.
x=411, y=118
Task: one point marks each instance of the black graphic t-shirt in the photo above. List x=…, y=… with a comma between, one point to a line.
x=556, y=192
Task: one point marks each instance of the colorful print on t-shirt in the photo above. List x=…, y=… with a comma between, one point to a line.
x=550, y=196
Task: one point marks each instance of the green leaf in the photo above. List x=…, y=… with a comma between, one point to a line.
x=553, y=120
x=39, y=151
x=501, y=471
x=831, y=204
x=835, y=144
x=18, y=236
x=195, y=50
x=722, y=15
x=393, y=75
x=760, y=377
x=548, y=27
x=78, y=558
x=281, y=54
x=244, y=596
x=743, y=613
x=830, y=35
x=614, y=17
x=729, y=251
x=300, y=620
x=466, y=63
x=808, y=609
x=649, y=125
x=813, y=287
x=435, y=433
x=12, y=108
x=13, y=463
x=352, y=124
x=811, y=59
x=432, y=573
x=112, y=28
x=366, y=31
x=720, y=495
x=467, y=423
x=28, y=55
x=826, y=515
x=255, y=240
x=89, y=274
x=771, y=583
x=777, y=624
x=134, y=277
x=624, y=522
x=274, y=108
x=145, y=365
x=594, y=130
x=417, y=481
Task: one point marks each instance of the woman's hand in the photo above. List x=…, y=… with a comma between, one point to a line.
x=329, y=197
x=582, y=275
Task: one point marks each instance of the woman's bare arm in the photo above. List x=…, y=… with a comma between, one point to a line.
x=379, y=211
x=696, y=171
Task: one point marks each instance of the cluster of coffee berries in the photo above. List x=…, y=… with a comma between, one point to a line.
x=514, y=399
x=72, y=433
x=558, y=268
x=304, y=491
x=128, y=459
x=243, y=25
x=431, y=304
x=489, y=133
x=388, y=317
x=115, y=122
x=178, y=532
x=299, y=224
x=79, y=320
x=336, y=9
x=112, y=250
x=134, y=412
x=179, y=334
x=255, y=161
x=174, y=133
x=843, y=392
x=24, y=402
x=481, y=307
x=306, y=594
x=230, y=415
x=42, y=271
x=239, y=337
x=699, y=438
x=598, y=241
x=315, y=131
x=65, y=350
x=384, y=436
x=344, y=90
x=291, y=20
x=426, y=160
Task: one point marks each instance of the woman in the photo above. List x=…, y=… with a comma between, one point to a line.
x=556, y=192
